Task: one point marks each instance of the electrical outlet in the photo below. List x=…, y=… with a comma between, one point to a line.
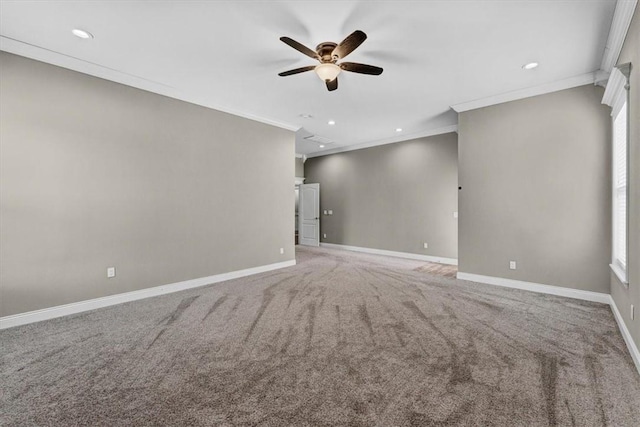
x=512, y=265
x=281, y=251
x=426, y=245
x=631, y=312
x=111, y=272
x=324, y=236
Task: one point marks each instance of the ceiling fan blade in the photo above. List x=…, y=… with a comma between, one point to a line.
x=300, y=47
x=361, y=68
x=332, y=85
x=297, y=70
x=349, y=44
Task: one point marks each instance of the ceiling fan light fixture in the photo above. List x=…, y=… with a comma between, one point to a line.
x=328, y=53
x=327, y=71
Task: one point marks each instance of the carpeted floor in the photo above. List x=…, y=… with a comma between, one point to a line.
x=436, y=269
x=340, y=339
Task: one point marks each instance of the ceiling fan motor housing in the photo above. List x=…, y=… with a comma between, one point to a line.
x=325, y=51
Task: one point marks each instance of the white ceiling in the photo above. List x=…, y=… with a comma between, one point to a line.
x=226, y=55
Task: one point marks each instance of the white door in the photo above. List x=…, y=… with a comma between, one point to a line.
x=309, y=215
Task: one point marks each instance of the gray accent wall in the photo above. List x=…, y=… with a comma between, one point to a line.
x=393, y=197
x=97, y=174
x=625, y=296
x=299, y=168
x=536, y=189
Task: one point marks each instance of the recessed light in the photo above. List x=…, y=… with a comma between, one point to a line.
x=398, y=129
x=82, y=33
x=331, y=122
x=530, y=65
x=306, y=116
x=321, y=146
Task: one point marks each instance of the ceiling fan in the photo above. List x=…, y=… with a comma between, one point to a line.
x=329, y=53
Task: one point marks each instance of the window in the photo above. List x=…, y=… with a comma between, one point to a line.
x=619, y=262
x=615, y=95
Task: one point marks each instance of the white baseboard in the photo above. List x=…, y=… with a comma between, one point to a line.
x=407, y=255
x=631, y=345
x=537, y=287
x=92, y=304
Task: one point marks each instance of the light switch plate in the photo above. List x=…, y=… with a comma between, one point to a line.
x=325, y=212
x=281, y=251
x=111, y=272
x=455, y=214
x=426, y=245
x=330, y=212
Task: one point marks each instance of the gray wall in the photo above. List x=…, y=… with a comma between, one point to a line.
x=97, y=174
x=392, y=197
x=622, y=296
x=536, y=188
x=299, y=168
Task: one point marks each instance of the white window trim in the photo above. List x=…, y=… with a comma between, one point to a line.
x=616, y=96
x=620, y=274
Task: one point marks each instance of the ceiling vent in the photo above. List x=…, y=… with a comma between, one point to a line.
x=318, y=139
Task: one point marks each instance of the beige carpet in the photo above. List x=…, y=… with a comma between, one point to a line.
x=340, y=339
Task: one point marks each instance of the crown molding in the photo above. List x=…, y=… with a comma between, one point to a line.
x=41, y=54
x=385, y=141
x=601, y=78
x=617, y=33
x=615, y=94
x=571, y=82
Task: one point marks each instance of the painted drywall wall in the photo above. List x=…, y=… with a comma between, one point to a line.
x=97, y=174
x=536, y=189
x=394, y=197
x=625, y=297
x=299, y=168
